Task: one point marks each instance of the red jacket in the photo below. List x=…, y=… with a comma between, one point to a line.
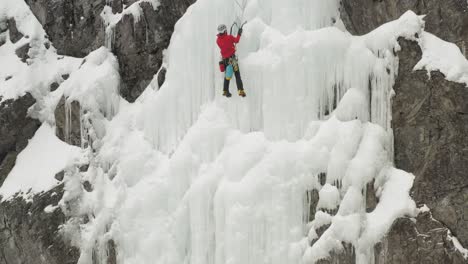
x=226, y=44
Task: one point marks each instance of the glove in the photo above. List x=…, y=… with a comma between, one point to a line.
x=239, y=32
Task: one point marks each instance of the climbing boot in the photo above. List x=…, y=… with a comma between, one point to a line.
x=242, y=93
x=227, y=94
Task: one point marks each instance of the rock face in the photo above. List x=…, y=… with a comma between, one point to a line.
x=430, y=121
x=447, y=19
x=139, y=44
x=15, y=131
x=76, y=28
x=29, y=234
x=424, y=242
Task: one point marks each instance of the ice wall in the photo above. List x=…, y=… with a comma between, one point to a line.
x=290, y=71
x=195, y=82
x=184, y=175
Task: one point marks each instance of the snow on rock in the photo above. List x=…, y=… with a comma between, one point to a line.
x=458, y=246
x=384, y=38
x=321, y=219
x=39, y=69
x=26, y=22
x=110, y=19
x=95, y=84
x=424, y=209
x=35, y=77
x=42, y=67
x=446, y=57
x=37, y=164
x=353, y=105
x=329, y=197
x=370, y=158
x=394, y=202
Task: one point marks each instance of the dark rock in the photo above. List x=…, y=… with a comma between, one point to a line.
x=139, y=44
x=322, y=177
x=7, y=165
x=53, y=86
x=22, y=52
x=73, y=135
x=3, y=26
x=74, y=27
x=15, y=35
x=87, y=186
x=161, y=77
x=321, y=230
x=65, y=76
x=312, y=199
x=15, y=131
x=447, y=19
x=84, y=168
x=430, y=123
x=8, y=78
x=59, y=176
x=2, y=39
x=28, y=234
x=111, y=252
x=371, y=197
x=420, y=241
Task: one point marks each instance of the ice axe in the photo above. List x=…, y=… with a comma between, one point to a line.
x=242, y=9
x=235, y=24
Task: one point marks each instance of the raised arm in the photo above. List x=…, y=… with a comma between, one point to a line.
x=236, y=39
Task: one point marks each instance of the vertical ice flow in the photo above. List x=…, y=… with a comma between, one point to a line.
x=184, y=175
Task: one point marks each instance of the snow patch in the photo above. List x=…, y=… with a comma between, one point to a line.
x=51, y=208
x=95, y=84
x=458, y=246
x=41, y=69
x=446, y=57
x=36, y=166
x=329, y=197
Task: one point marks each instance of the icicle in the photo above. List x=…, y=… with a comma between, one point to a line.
x=109, y=38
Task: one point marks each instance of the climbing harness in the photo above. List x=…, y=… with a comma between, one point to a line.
x=232, y=66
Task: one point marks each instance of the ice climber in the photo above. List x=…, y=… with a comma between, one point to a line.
x=229, y=64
